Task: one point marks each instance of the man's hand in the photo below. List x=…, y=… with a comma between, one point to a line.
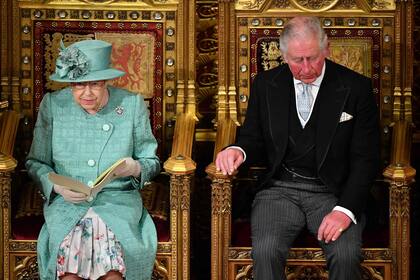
x=70, y=196
x=333, y=225
x=229, y=160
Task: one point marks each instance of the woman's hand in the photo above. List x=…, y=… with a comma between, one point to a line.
x=70, y=196
x=131, y=168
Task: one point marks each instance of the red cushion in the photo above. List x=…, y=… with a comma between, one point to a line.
x=162, y=228
x=377, y=237
x=28, y=228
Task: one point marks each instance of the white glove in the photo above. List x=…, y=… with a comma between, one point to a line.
x=70, y=196
x=131, y=168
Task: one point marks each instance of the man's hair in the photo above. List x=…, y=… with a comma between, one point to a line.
x=302, y=28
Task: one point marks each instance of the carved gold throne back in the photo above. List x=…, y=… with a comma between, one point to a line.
x=363, y=37
x=149, y=39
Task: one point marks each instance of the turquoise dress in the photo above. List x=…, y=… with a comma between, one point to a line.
x=69, y=141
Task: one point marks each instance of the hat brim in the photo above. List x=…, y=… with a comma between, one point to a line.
x=106, y=74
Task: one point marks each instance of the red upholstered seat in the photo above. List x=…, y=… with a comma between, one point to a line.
x=28, y=220
x=27, y=228
x=374, y=237
x=148, y=42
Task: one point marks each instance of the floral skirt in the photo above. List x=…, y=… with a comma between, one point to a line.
x=90, y=250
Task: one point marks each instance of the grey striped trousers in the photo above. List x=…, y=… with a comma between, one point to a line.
x=280, y=212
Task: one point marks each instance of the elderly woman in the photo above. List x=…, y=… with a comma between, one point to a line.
x=81, y=130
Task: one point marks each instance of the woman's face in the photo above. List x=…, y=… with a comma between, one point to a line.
x=91, y=96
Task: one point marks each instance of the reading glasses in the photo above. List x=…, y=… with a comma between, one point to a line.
x=94, y=85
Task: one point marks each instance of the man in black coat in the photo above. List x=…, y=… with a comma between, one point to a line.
x=315, y=124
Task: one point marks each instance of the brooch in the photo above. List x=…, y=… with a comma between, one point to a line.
x=119, y=110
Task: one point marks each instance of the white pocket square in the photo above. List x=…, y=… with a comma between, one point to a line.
x=345, y=117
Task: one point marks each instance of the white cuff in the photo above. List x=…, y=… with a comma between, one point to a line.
x=240, y=149
x=347, y=212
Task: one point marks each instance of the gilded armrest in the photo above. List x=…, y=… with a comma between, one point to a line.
x=180, y=161
x=8, y=126
x=7, y=166
x=400, y=176
x=181, y=168
x=221, y=202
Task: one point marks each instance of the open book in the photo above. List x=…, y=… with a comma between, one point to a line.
x=91, y=191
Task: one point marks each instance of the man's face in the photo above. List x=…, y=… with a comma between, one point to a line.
x=306, y=59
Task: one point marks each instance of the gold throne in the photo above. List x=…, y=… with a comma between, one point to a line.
x=150, y=40
x=365, y=36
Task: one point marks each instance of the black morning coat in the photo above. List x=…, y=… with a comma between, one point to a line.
x=347, y=152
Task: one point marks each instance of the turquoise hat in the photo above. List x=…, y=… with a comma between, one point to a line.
x=85, y=61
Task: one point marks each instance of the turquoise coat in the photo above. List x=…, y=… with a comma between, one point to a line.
x=65, y=138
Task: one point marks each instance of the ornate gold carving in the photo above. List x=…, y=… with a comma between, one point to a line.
x=5, y=192
x=106, y=2
x=373, y=272
x=191, y=103
x=377, y=254
x=26, y=246
x=384, y=4
x=164, y=247
x=306, y=272
x=180, y=162
x=180, y=192
x=353, y=53
x=222, y=102
x=5, y=221
x=160, y=270
x=281, y=4
x=347, y=4
x=314, y=5
x=270, y=54
x=180, y=224
x=206, y=65
x=244, y=272
x=233, y=113
x=407, y=96
x=400, y=203
x=26, y=268
x=249, y=4
x=239, y=254
x=157, y=276
x=220, y=221
x=298, y=254
x=306, y=254
x=102, y=1
x=221, y=196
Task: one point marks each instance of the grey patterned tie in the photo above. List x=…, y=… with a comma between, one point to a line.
x=304, y=101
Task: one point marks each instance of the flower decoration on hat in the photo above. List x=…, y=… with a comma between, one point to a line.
x=71, y=62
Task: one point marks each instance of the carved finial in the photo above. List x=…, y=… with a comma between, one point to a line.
x=397, y=106
x=408, y=114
